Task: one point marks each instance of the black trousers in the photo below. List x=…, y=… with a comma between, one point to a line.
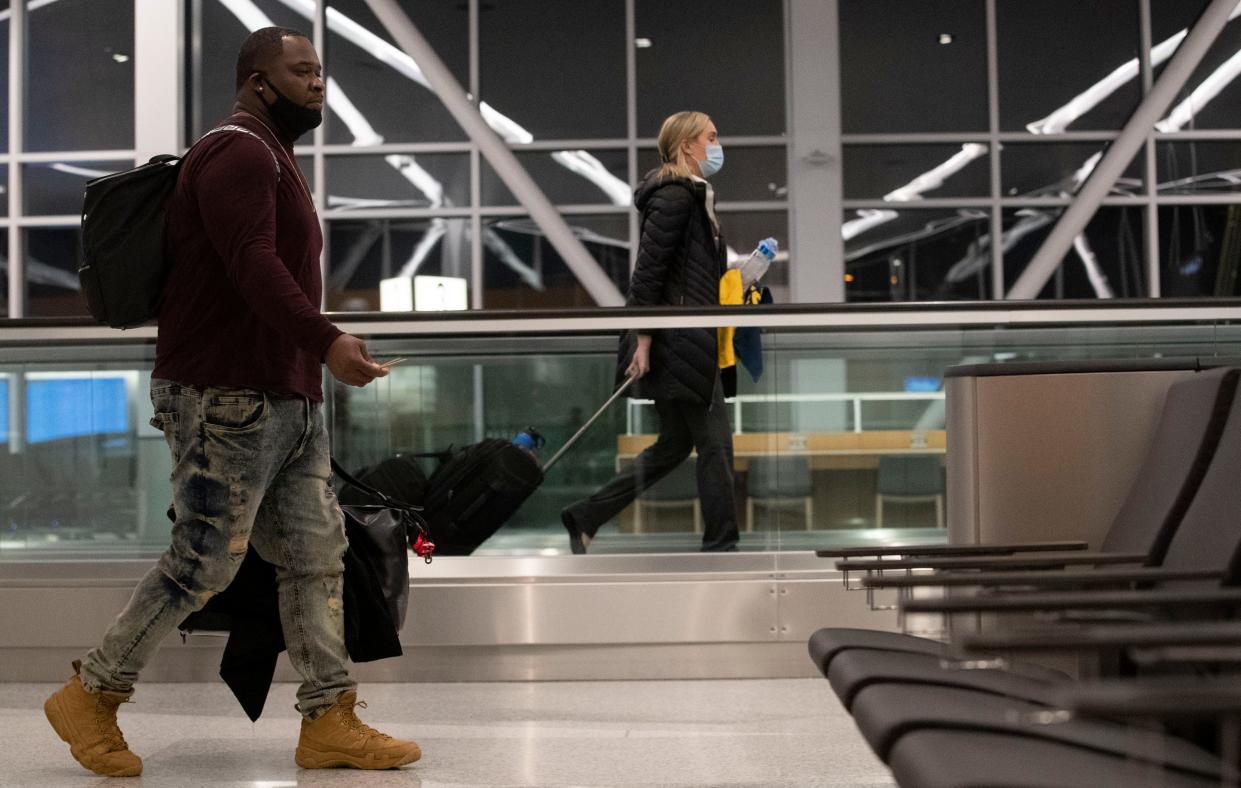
x=683, y=427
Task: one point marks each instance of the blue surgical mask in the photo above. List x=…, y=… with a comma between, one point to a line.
x=714, y=161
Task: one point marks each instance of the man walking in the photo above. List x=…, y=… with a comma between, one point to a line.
x=237, y=391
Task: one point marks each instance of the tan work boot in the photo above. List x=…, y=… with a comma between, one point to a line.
x=339, y=738
x=87, y=721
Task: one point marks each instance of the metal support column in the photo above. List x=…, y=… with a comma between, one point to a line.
x=17, y=117
x=993, y=144
x=159, y=30
x=1122, y=150
x=1150, y=171
x=501, y=159
x=478, y=284
x=816, y=249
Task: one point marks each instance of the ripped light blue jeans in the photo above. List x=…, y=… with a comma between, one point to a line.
x=248, y=469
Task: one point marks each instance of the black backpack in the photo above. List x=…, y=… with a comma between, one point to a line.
x=125, y=256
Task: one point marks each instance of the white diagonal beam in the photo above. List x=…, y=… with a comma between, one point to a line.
x=502, y=160
x=1122, y=149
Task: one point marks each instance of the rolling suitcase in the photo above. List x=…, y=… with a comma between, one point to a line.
x=477, y=488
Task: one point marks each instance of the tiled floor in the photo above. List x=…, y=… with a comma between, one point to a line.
x=643, y=733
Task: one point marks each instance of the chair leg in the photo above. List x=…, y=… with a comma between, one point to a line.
x=809, y=513
x=749, y=515
x=637, y=515
x=697, y=516
x=878, y=511
x=939, y=511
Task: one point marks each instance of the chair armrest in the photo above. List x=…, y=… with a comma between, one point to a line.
x=1081, y=600
x=1065, y=638
x=950, y=549
x=1164, y=698
x=1099, y=577
x=1002, y=562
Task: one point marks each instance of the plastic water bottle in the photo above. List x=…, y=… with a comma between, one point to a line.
x=529, y=440
x=760, y=259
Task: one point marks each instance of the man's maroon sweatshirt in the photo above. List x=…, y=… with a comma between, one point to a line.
x=241, y=304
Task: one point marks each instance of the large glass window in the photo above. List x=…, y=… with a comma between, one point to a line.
x=52, y=287
x=1211, y=99
x=1107, y=259
x=1201, y=250
x=695, y=54
x=557, y=69
x=928, y=128
x=1056, y=51
x=917, y=255
x=398, y=180
x=382, y=95
x=363, y=253
x=55, y=188
x=568, y=177
x=908, y=67
x=82, y=98
x=522, y=270
x=4, y=275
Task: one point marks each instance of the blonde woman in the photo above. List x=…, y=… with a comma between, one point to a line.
x=681, y=258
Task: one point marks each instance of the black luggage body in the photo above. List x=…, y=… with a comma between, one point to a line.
x=475, y=491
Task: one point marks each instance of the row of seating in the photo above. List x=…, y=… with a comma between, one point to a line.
x=1152, y=616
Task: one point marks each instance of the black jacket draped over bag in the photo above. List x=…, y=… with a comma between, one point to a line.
x=680, y=263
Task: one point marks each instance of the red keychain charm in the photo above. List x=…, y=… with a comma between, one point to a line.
x=424, y=547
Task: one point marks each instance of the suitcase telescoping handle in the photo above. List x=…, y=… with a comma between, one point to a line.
x=582, y=430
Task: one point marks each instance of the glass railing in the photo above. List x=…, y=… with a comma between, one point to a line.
x=845, y=422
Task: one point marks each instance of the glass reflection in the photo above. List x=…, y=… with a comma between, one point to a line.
x=904, y=172
x=66, y=41
x=1108, y=259
x=913, y=67
x=521, y=269
x=844, y=425
x=366, y=253
x=56, y=188
x=915, y=255
x=398, y=180
x=52, y=286
x=1199, y=250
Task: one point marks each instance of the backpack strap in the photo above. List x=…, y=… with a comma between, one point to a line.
x=244, y=130
x=388, y=500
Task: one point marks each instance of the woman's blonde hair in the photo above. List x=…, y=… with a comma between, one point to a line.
x=676, y=131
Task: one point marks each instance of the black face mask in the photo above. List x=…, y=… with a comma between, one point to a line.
x=293, y=119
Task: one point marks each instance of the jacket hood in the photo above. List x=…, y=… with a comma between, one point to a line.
x=652, y=182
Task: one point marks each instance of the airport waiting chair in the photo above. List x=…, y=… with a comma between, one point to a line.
x=676, y=490
x=1191, y=423
x=779, y=481
x=913, y=478
x=893, y=695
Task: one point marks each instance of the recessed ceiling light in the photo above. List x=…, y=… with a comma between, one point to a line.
x=642, y=43
x=945, y=38
x=120, y=58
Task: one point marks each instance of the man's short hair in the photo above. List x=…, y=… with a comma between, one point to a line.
x=259, y=48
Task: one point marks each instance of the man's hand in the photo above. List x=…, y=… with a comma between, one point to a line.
x=641, y=362
x=349, y=362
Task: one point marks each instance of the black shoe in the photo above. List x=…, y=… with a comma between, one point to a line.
x=576, y=545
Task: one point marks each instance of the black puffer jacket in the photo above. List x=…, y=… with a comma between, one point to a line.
x=679, y=263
